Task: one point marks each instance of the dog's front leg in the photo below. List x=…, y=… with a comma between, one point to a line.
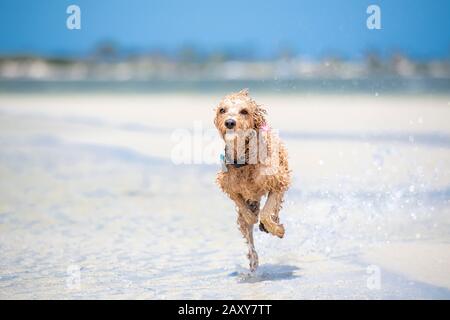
x=269, y=220
x=247, y=210
x=247, y=217
x=247, y=231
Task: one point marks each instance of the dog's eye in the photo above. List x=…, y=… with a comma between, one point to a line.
x=244, y=112
x=222, y=110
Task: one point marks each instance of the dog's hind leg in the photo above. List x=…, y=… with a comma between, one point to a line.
x=269, y=220
x=247, y=231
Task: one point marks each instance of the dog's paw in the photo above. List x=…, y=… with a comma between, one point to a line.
x=262, y=228
x=253, y=261
x=271, y=224
x=278, y=231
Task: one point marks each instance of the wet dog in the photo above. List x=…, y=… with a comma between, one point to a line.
x=255, y=165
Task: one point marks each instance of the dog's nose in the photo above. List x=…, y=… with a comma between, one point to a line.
x=230, y=123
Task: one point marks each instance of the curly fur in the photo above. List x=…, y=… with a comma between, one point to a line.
x=248, y=184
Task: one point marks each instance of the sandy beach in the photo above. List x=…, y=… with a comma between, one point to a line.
x=93, y=206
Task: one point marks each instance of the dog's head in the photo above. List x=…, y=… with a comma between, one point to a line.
x=238, y=111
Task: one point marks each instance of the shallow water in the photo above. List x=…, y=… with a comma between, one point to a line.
x=374, y=85
x=82, y=217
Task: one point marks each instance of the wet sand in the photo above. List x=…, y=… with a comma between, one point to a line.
x=92, y=205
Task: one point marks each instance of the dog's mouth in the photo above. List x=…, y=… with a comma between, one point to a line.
x=230, y=134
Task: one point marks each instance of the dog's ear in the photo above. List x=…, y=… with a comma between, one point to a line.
x=260, y=126
x=244, y=92
x=259, y=118
x=215, y=116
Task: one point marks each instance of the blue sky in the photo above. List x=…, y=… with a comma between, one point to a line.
x=314, y=28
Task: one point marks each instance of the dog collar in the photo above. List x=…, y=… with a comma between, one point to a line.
x=226, y=161
x=238, y=165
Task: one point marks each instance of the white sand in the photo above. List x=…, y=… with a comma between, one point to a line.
x=425, y=262
x=87, y=182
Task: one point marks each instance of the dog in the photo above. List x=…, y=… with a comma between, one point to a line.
x=255, y=164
